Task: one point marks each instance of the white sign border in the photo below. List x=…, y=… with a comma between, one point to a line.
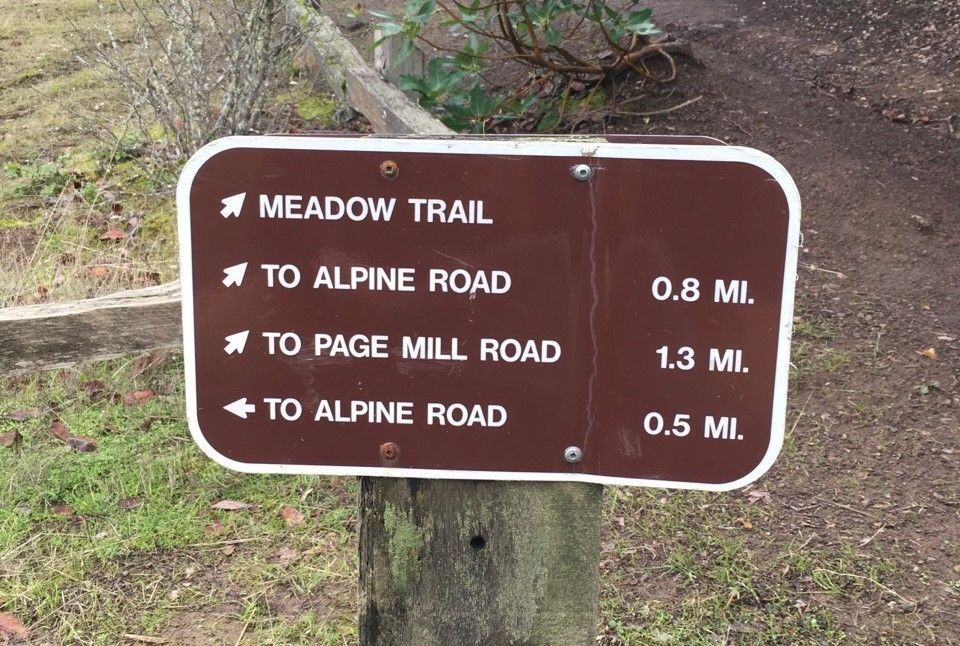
x=586, y=147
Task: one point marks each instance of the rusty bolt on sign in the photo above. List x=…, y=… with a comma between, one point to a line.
x=390, y=169
x=389, y=451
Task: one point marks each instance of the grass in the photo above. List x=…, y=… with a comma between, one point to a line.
x=72, y=168
x=123, y=539
x=812, y=351
x=142, y=552
x=141, y=545
x=722, y=575
x=68, y=249
x=67, y=171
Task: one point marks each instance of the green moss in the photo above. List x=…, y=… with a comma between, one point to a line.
x=317, y=108
x=311, y=106
x=13, y=223
x=157, y=132
x=81, y=163
x=404, y=542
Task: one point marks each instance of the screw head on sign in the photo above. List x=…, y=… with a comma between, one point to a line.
x=573, y=454
x=390, y=169
x=581, y=172
x=389, y=451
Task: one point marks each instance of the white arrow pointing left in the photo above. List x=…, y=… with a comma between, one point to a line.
x=236, y=342
x=241, y=408
x=232, y=205
x=234, y=275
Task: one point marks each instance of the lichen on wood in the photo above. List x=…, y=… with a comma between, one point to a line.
x=495, y=562
x=404, y=542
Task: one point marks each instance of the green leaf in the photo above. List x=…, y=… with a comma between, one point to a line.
x=457, y=111
x=405, y=49
x=638, y=22
x=482, y=105
x=442, y=76
x=549, y=120
x=552, y=36
x=454, y=122
x=411, y=82
x=646, y=29
x=470, y=57
x=420, y=10
x=388, y=29
x=470, y=13
x=478, y=101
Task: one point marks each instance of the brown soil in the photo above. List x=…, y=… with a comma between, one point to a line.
x=877, y=432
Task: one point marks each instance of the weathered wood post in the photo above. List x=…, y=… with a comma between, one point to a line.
x=467, y=562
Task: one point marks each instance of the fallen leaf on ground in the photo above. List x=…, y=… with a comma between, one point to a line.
x=146, y=361
x=129, y=503
x=59, y=430
x=23, y=414
x=9, y=439
x=113, y=234
x=745, y=523
x=82, y=444
x=10, y=626
x=758, y=495
x=231, y=505
x=93, y=387
x=291, y=516
x=76, y=442
x=148, y=277
x=215, y=527
x=137, y=397
x=287, y=555
x=62, y=509
x=929, y=353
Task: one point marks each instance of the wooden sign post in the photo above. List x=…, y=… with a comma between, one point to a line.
x=461, y=315
x=478, y=562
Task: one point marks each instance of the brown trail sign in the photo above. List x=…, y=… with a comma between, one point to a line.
x=594, y=310
x=521, y=309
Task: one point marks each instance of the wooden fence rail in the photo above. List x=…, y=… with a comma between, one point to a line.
x=56, y=335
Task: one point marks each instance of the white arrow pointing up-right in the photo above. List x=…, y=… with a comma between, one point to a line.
x=241, y=408
x=232, y=205
x=234, y=275
x=236, y=342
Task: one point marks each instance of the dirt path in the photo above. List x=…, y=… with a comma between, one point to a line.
x=872, y=460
